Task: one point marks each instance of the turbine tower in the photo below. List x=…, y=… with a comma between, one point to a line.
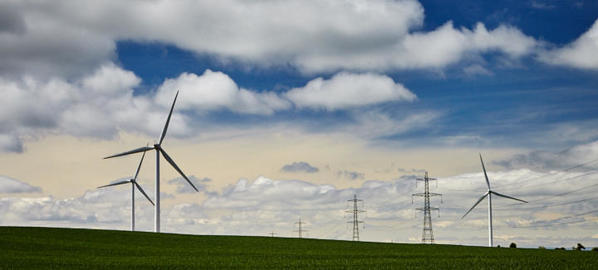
x=355, y=220
x=134, y=184
x=489, y=194
x=427, y=234
x=159, y=150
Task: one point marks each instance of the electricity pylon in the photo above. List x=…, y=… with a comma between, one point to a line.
x=355, y=220
x=300, y=230
x=427, y=235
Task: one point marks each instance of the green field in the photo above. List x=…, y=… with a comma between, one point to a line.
x=53, y=248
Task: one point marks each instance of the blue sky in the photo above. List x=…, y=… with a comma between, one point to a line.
x=287, y=108
x=509, y=103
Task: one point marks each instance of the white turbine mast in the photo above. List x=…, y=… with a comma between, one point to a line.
x=134, y=185
x=489, y=194
x=159, y=150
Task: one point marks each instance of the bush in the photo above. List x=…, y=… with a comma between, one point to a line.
x=561, y=248
x=513, y=245
x=541, y=247
x=595, y=249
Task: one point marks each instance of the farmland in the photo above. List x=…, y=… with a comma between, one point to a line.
x=30, y=247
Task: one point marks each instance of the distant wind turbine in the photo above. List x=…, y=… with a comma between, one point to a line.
x=134, y=184
x=489, y=193
x=159, y=150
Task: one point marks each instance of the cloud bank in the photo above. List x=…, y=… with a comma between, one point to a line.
x=263, y=205
x=48, y=39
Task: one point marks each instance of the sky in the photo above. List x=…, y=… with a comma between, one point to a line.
x=288, y=108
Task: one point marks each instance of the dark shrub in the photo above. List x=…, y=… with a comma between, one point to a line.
x=513, y=245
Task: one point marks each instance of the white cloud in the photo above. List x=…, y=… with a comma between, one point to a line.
x=216, y=90
x=347, y=90
x=430, y=50
x=11, y=185
x=580, y=53
x=51, y=39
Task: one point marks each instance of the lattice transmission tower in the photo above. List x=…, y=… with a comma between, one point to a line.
x=355, y=220
x=427, y=234
x=300, y=230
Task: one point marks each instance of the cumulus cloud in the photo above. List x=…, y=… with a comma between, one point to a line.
x=11, y=185
x=580, y=53
x=216, y=90
x=97, y=105
x=435, y=49
x=313, y=36
x=102, y=103
x=300, y=166
x=346, y=90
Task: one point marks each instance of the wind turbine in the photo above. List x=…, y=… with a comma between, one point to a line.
x=159, y=150
x=489, y=193
x=134, y=184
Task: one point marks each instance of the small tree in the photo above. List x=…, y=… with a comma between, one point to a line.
x=580, y=247
x=513, y=245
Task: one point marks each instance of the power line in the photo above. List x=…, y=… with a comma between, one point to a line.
x=550, y=205
x=547, y=197
x=427, y=234
x=527, y=184
x=558, y=219
x=355, y=220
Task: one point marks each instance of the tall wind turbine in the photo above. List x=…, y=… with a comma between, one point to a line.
x=489, y=193
x=134, y=184
x=159, y=150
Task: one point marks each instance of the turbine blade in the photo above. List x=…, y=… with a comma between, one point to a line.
x=485, y=175
x=168, y=119
x=169, y=159
x=140, y=149
x=508, y=197
x=143, y=192
x=476, y=204
x=117, y=183
x=139, y=167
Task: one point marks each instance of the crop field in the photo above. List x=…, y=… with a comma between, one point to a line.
x=55, y=248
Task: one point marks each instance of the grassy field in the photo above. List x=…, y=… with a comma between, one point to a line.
x=53, y=248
